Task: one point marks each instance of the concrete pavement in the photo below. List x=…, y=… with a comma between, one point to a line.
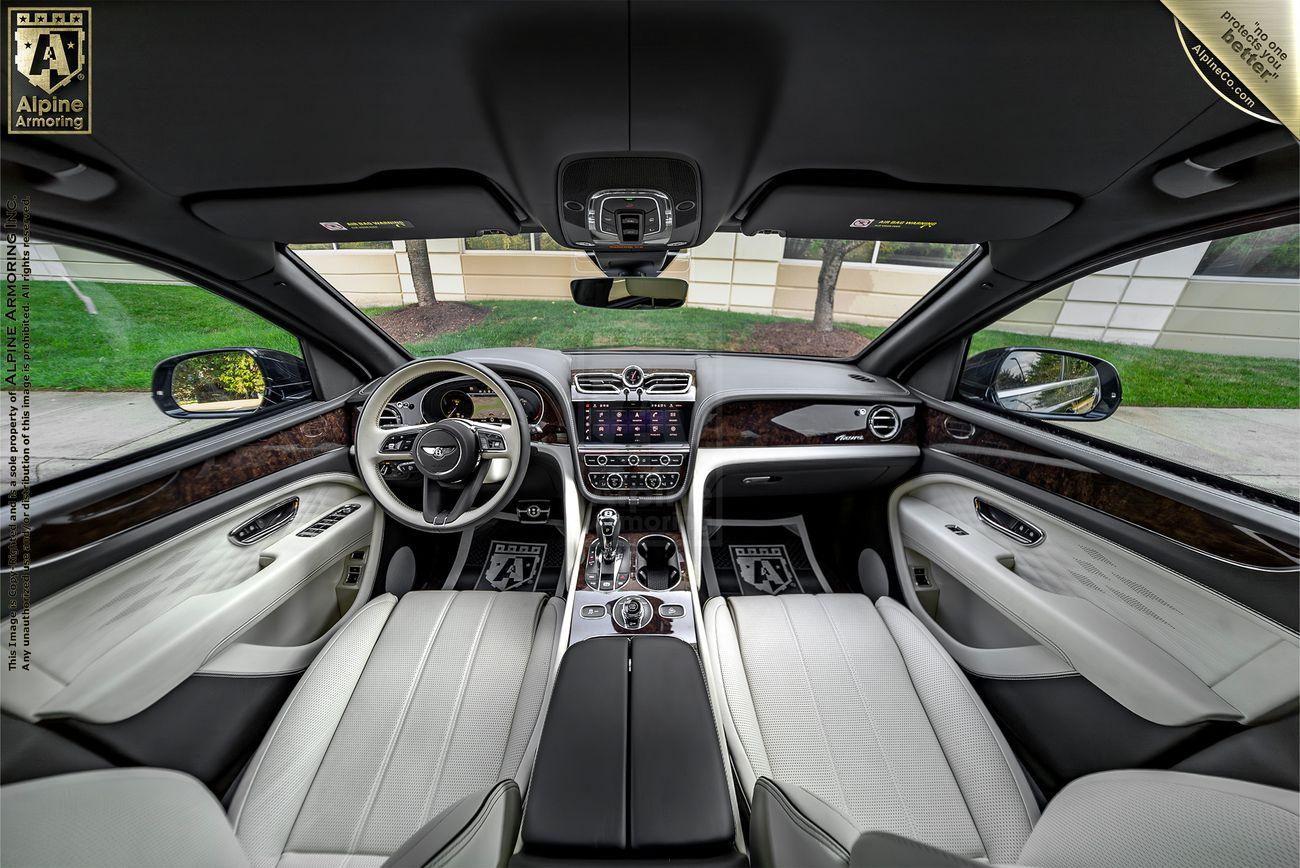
x=1258, y=447
x=71, y=430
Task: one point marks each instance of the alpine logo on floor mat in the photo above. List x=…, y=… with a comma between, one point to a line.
x=766, y=568
x=512, y=565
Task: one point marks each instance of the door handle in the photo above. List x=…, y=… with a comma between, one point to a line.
x=265, y=524
x=1008, y=524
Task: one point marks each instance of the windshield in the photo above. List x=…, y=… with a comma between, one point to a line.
x=756, y=294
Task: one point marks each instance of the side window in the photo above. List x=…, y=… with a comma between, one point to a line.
x=101, y=327
x=1204, y=341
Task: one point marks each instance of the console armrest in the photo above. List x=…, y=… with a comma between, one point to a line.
x=629, y=762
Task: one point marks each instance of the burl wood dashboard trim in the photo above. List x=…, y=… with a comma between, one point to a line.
x=197, y=482
x=1115, y=497
x=755, y=424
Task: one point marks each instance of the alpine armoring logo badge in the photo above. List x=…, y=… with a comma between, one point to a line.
x=50, y=94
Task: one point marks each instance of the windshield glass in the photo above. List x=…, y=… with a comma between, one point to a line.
x=757, y=294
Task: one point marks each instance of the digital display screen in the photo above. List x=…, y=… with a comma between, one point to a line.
x=488, y=407
x=625, y=422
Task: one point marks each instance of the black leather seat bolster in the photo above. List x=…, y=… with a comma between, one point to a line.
x=477, y=830
x=781, y=834
x=883, y=850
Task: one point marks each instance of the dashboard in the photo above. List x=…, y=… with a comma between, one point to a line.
x=635, y=429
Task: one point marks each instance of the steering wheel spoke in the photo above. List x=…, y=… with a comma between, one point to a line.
x=493, y=439
x=397, y=444
x=434, y=493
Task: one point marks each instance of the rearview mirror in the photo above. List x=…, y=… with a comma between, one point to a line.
x=229, y=382
x=629, y=293
x=1045, y=384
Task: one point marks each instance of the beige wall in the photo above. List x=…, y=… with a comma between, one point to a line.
x=866, y=293
x=1155, y=301
x=369, y=278
x=61, y=260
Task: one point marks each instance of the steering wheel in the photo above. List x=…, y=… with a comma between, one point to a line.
x=454, y=457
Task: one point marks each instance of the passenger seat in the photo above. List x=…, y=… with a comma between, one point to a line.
x=858, y=741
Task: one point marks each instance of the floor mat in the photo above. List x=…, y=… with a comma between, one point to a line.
x=771, y=556
x=512, y=566
x=507, y=555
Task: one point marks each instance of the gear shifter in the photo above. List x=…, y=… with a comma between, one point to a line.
x=607, y=523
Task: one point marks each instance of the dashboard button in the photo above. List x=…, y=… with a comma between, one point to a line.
x=614, y=480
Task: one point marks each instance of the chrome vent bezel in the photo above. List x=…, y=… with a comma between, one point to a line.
x=390, y=417
x=598, y=382
x=669, y=383
x=657, y=383
x=893, y=423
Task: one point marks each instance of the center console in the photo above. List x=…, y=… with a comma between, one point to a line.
x=633, y=580
x=633, y=433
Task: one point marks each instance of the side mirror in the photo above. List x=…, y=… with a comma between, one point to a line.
x=629, y=293
x=230, y=382
x=1045, y=384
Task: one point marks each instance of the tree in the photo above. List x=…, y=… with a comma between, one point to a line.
x=417, y=253
x=833, y=253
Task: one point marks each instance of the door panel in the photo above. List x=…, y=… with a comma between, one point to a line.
x=65, y=531
x=1164, y=646
x=112, y=644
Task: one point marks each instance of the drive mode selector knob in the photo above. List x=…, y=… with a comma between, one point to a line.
x=652, y=480
x=615, y=480
x=632, y=612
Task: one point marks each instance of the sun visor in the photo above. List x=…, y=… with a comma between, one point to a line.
x=807, y=208
x=458, y=209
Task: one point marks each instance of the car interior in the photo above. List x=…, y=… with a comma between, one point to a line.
x=534, y=606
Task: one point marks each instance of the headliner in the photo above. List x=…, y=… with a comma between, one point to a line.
x=1079, y=100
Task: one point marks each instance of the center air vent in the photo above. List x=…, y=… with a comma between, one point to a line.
x=633, y=379
x=884, y=422
x=390, y=416
x=598, y=382
x=675, y=383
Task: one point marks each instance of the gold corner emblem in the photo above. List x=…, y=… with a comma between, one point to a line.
x=50, y=47
x=49, y=78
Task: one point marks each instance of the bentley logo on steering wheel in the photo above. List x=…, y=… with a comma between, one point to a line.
x=438, y=452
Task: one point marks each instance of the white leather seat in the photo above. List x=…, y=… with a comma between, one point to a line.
x=845, y=718
x=411, y=708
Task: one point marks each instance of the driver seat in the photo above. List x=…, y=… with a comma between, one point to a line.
x=406, y=740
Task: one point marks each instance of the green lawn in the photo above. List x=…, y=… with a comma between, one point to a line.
x=137, y=325
x=1176, y=378
x=563, y=325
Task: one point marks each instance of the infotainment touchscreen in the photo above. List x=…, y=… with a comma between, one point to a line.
x=633, y=422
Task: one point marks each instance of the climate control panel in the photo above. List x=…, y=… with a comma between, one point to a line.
x=626, y=473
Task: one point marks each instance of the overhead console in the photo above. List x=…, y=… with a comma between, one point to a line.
x=633, y=430
x=617, y=207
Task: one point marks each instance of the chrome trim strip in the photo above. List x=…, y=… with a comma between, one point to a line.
x=269, y=529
